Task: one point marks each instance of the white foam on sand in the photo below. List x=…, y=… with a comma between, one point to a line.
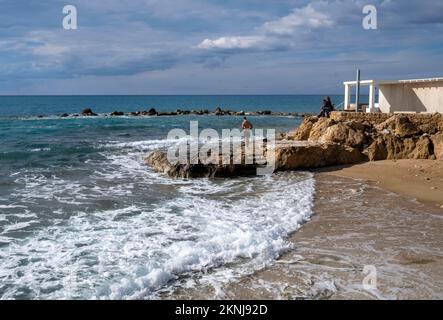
x=205, y=230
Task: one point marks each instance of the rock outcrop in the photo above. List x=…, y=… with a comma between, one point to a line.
x=288, y=156
x=158, y=160
x=379, y=136
x=293, y=156
x=345, y=138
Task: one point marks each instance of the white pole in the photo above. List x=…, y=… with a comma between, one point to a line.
x=357, y=92
x=372, y=97
x=347, y=97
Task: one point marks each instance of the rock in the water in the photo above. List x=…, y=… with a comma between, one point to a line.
x=162, y=114
x=158, y=160
x=117, y=114
x=219, y=112
x=88, y=112
x=152, y=112
x=64, y=115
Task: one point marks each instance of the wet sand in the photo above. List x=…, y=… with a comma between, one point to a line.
x=356, y=225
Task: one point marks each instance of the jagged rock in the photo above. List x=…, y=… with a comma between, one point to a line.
x=117, y=114
x=397, y=148
x=378, y=136
x=390, y=147
x=343, y=133
x=345, y=138
x=423, y=149
x=319, y=128
x=316, y=156
x=426, y=123
x=88, y=113
x=152, y=112
x=158, y=160
x=288, y=156
x=400, y=125
x=357, y=126
x=437, y=141
x=219, y=112
x=377, y=150
x=369, y=119
x=304, y=131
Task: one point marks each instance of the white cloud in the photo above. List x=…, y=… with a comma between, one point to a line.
x=307, y=17
x=299, y=21
x=231, y=43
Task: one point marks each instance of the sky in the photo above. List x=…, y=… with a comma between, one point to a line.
x=214, y=47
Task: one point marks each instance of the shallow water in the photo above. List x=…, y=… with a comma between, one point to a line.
x=356, y=228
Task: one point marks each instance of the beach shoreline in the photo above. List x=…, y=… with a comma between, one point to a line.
x=359, y=224
x=418, y=179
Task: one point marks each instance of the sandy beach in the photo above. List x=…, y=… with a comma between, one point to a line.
x=420, y=179
x=366, y=217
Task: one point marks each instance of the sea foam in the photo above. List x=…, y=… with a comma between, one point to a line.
x=128, y=232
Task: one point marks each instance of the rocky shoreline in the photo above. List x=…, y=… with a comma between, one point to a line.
x=344, y=138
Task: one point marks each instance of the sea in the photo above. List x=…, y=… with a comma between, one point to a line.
x=82, y=216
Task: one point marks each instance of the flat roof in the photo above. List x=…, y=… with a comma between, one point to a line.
x=369, y=82
x=412, y=81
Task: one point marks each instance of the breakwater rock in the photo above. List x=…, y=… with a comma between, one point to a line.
x=88, y=112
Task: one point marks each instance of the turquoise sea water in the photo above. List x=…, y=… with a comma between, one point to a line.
x=81, y=216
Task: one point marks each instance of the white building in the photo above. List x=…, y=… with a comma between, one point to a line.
x=416, y=95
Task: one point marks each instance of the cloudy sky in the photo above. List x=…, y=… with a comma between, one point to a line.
x=214, y=47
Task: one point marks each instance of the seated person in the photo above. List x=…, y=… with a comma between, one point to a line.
x=327, y=108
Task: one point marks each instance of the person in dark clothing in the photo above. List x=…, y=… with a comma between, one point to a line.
x=327, y=108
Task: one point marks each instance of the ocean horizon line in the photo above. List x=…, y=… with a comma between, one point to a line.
x=166, y=95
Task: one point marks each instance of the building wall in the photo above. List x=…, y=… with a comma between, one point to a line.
x=411, y=97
